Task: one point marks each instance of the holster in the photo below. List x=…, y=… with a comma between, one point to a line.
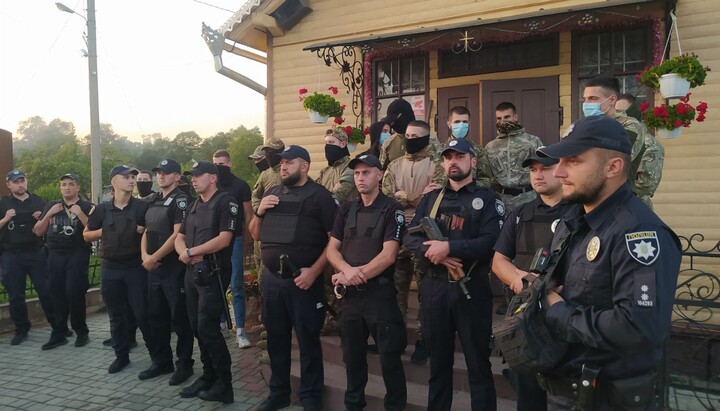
x=633, y=394
x=202, y=273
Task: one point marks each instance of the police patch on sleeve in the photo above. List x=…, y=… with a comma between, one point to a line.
x=181, y=203
x=644, y=292
x=643, y=246
x=233, y=208
x=500, y=207
x=400, y=220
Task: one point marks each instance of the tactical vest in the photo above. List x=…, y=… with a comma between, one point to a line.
x=65, y=232
x=363, y=233
x=158, y=222
x=533, y=231
x=120, y=238
x=18, y=232
x=283, y=224
x=203, y=227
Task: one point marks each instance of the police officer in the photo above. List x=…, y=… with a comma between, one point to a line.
x=363, y=247
x=119, y=224
x=23, y=254
x=204, y=243
x=294, y=222
x=618, y=277
x=63, y=222
x=527, y=228
x=166, y=274
x=456, y=290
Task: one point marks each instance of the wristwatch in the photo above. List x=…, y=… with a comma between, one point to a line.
x=187, y=251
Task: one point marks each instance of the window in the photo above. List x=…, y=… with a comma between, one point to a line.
x=403, y=77
x=621, y=53
x=529, y=53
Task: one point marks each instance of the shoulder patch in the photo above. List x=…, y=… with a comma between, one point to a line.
x=233, y=208
x=500, y=207
x=399, y=217
x=181, y=203
x=643, y=246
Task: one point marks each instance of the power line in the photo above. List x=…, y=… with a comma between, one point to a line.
x=212, y=5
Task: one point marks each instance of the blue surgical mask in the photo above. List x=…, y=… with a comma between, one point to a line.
x=593, y=109
x=383, y=137
x=460, y=130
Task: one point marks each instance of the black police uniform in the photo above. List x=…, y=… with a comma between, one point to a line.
x=298, y=226
x=527, y=228
x=371, y=308
x=471, y=219
x=23, y=255
x=124, y=280
x=166, y=291
x=204, y=299
x=68, y=262
x=619, y=280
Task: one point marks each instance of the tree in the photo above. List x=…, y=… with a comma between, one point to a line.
x=35, y=132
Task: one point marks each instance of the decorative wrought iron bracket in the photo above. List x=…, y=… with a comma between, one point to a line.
x=349, y=61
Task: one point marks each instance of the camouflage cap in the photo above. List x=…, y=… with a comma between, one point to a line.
x=257, y=154
x=274, y=143
x=338, y=133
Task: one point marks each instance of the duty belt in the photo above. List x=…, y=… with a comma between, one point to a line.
x=581, y=390
x=514, y=191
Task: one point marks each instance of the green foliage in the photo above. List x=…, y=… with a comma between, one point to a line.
x=324, y=104
x=686, y=66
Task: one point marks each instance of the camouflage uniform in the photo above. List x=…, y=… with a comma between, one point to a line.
x=636, y=132
x=649, y=174
x=394, y=147
x=482, y=172
x=507, y=153
x=411, y=173
x=339, y=173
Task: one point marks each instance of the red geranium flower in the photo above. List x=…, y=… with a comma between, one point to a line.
x=303, y=90
x=339, y=120
x=644, y=106
x=333, y=89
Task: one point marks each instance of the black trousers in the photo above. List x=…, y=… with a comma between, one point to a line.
x=602, y=403
x=16, y=266
x=374, y=310
x=285, y=306
x=204, y=306
x=68, y=271
x=167, y=311
x=123, y=290
x=445, y=312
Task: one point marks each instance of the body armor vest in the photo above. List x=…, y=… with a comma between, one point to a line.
x=363, y=233
x=120, y=238
x=203, y=227
x=283, y=225
x=18, y=231
x=159, y=224
x=65, y=232
x=533, y=231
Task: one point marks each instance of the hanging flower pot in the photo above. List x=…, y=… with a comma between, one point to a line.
x=673, y=86
x=351, y=147
x=685, y=66
x=316, y=117
x=665, y=133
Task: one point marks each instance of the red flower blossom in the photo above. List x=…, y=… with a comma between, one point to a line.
x=366, y=131
x=644, y=106
x=700, y=117
x=339, y=120
x=348, y=130
x=677, y=123
x=333, y=89
x=344, y=106
x=303, y=90
x=702, y=107
x=682, y=108
x=686, y=98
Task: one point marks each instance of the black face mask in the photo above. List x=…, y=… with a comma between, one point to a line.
x=271, y=158
x=144, y=188
x=224, y=174
x=334, y=153
x=262, y=165
x=414, y=145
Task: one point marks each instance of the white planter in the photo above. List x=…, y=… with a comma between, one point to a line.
x=673, y=86
x=316, y=117
x=665, y=133
x=351, y=147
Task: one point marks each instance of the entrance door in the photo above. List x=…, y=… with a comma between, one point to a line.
x=449, y=97
x=536, y=99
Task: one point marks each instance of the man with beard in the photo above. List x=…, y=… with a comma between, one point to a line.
x=507, y=152
x=204, y=244
x=456, y=291
x=406, y=180
x=529, y=227
x=459, y=125
x=294, y=222
x=119, y=224
x=399, y=115
x=144, y=184
x=23, y=254
x=617, y=277
x=240, y=190
x=364, y=244
x=337, y=177
x=62, y=222
x=166, y=293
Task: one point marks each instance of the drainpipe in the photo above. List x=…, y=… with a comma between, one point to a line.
x=215, y=42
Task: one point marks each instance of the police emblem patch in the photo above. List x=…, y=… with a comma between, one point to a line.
x=399, y=217
x=181, y=203
x=643, y=246
x=478, y=203
x=500, y=207
x=553, y=227
x=363, y=157
x=593, y=248
x=233, y=208
x=163, y=163
x=452, y=143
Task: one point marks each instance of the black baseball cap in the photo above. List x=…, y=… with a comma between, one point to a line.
x=368, y=159
x=589, y=132
x=122, y=170
x=71, y=176
x=460, y=145
x=202, y=167
x=168, y=166
x=548, y=161
x=13, y=175
x=293, y=152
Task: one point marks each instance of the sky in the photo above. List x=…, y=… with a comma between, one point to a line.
x=155, y=72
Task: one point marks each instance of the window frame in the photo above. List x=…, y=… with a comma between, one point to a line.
x=426, y=93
